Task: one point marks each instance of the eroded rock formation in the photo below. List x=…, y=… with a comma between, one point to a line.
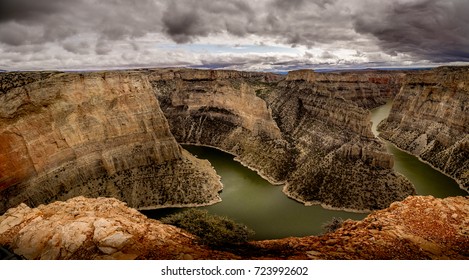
x=420, y=227
x=104, y=228
x=309, y=130
x=221, y=109
x=95, y=134
x=339, y=161
x=430, y=118
x=105, y=134
x=367, y=89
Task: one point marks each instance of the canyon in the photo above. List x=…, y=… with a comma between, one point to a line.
x=307, y=131
x=430, y=119
x=65, y=136
x=117, y=133
x=94, y=134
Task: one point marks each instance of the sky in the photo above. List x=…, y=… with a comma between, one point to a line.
x=251, y=35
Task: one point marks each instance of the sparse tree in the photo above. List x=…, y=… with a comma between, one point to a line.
x=212, y=230
x=332, y=225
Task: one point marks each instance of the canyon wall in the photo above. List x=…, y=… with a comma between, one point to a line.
x=366, y=88
x=430, y=119
x=339, y=161
x=221, y=109
x=95, y=134
x=105, y=228
x=116, y=133
x=308, y=130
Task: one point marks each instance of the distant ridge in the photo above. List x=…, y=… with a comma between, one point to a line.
x=374, y=69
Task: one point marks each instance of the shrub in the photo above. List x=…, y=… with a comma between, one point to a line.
x=212, y=230
x=332, y=225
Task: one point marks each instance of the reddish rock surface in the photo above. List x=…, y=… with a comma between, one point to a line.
x=105, y=228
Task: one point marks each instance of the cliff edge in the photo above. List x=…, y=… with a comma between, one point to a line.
x=310, y=131
x=430, y=119
x=95, y=134
x=105, y=228
x=339, y=163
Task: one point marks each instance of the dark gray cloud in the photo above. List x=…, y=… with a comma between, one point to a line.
x=186, y=20
x=436, y=30
x=296, y=22
x=26, y=10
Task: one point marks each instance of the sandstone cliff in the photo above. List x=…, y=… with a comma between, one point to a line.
x=94, y=134
x=221, y=109
x=103, y=134
x=104, y=228
x=367, y=89
x=308, y=130
x=430, y=119
x=339, y=161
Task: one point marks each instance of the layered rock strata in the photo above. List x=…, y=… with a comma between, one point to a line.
x=339, y=161
x=221, y=109
x=102, y=134
x=309, y=130
x=367, y=88
x=104, y=228
x=430, y=119
x=95, y=134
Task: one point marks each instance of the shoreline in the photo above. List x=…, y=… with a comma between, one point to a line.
x=427, y=163
x=288, y=194
x=387, y=141
x=149, y=208
x=323, y=205
x=236, y=158
x=211, y=202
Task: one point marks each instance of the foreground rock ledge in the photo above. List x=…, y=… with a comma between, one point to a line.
x=105, y=228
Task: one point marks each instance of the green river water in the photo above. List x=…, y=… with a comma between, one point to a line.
x=251, y=200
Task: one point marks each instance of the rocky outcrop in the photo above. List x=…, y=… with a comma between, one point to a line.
x=416, y=228
x=339, y=162
x=95, y=134
x=104, y=228
x=221, y=109
x=430, y=119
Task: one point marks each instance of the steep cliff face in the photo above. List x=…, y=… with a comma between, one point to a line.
x=104, y=228
x=430, y=118
x=367, y=89
x=339, y=161
x=308, y=130
x=95, y=134
x=221, y=109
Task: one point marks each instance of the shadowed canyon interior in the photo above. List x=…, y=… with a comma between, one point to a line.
x=118, y=133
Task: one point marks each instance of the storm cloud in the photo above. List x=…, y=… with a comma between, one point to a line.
x=436, y=30
x=76, y=33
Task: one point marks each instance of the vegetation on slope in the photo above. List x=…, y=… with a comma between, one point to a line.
x=212, y=230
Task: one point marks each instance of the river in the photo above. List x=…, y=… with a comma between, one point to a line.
x=251, y=200
x=426, y=179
